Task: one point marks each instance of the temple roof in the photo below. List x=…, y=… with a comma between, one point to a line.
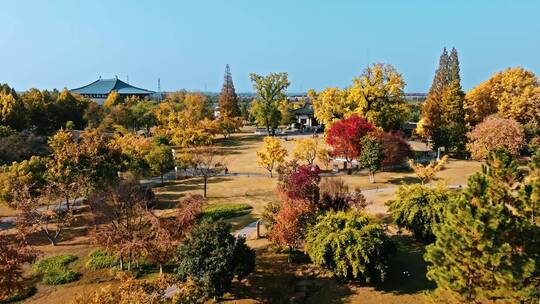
x=306, y=109
x=105, y=86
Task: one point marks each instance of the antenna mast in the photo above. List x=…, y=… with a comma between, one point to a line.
x=159, y=88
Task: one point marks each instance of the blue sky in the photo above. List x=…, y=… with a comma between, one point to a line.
x=56, y=44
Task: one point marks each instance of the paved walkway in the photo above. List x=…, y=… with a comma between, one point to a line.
x=246, y=231
x=8, y=222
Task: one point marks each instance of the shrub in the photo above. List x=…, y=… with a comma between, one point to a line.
x=337, y=196
x=212, y=257
x=224, y=211
x=189, y=292
x=100, y=258
x=21, y=295
x=350, y=245
x=495, y=133
x=55, y=270
x=418, y=208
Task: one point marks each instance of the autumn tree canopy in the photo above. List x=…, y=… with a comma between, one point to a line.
x=495, y=133
x=443, y=116
x=266, y=108
x=376, y=96
x=271, y=154
x=513, y=94
x=228, y=100
x=345, y=137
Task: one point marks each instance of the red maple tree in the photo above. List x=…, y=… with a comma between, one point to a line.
x=291, y=222
x=344, y=136
x=302, y=183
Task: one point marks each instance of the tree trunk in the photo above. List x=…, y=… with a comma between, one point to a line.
x=205, y=182
x=160, y=269
x=51, y=239
x=121, y=263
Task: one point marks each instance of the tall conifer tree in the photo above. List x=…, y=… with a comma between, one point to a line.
x=443, y=113
x=228, y=100
x=479, y=252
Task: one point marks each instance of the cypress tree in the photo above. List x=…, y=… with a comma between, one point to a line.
x=432, y=110
x=478, y=254
x=443, y=113
x=228, y=100
x=453, y=67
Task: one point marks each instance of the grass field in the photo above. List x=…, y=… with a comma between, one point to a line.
x=275, y=279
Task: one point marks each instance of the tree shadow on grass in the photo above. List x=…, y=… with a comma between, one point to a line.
x=168, y=195
x=240, y=140
x=405, y=180
x=408, y=269
x=275, y=281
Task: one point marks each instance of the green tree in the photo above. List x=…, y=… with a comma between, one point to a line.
x=27, y=172
x=351, y=245
x=94, y=114
x=38, y=105
x=419, y=208
x=478, y=253
x=160, y=160
x=68, y=107
x=270, y=93
x=371, y=156
x=228, y=100
x=212, y=257
x=12, y=112
x=530, y=192
x=100, y=159
x=141, y=115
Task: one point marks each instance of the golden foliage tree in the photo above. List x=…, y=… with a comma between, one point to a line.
x=310, y=149
x=427, y=172
x=379, y=96
x=376, y=95
x=332, y=104
x=185, y=120
x=513, y=93
x=271, y=154
x=443, y=113
x=130, y=291
x=113, y=99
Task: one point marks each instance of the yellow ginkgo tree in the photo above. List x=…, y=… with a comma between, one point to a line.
x=426, y=173
x=271, y=154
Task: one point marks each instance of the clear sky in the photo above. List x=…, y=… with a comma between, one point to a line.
x=56, y=44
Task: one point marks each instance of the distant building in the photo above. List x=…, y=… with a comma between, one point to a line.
x=415, y=96
x=101, y=88
x=305, y=115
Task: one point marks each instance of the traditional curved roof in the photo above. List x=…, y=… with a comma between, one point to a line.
x=105, y=86
x=306, y=109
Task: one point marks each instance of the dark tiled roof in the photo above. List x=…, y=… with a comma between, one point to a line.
x=105, y=86
x=306, y=109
